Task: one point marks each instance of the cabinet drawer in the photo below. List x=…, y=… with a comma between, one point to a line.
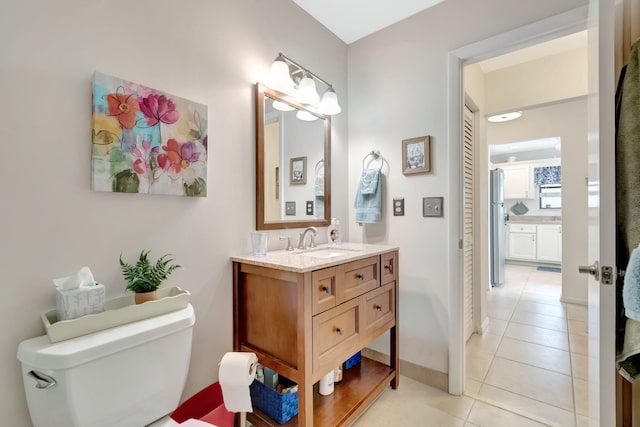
x=389, y=263
x=379, y=311
x=324, y=287
x=336, y=335
x=359, y=277
x=522, y=228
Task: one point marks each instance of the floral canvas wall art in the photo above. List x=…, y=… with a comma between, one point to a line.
x=147, y=141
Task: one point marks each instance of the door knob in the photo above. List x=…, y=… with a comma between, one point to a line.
x=593, y=270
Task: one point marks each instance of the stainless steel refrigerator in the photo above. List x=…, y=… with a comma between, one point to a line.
x=497, y=228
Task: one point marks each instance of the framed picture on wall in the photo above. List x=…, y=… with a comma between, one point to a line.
x=416, y=155
x=298, y=170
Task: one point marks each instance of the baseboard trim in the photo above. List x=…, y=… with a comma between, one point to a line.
x=419, y=373
x=572, y=300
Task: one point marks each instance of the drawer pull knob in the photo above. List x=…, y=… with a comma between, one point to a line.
x=378, y=307
x=388, y=268
x=325, y=289
x=360, y=276
x=339, y=331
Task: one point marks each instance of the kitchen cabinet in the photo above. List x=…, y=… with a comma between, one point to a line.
x=518, y=182
x=549, y=242
x=522, y=242
x=303, y=321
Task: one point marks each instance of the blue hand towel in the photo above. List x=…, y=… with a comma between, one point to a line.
x=631, y=288
x=369, y=181
x=369, y=197
x=319, y=185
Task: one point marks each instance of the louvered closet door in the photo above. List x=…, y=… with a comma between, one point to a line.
x=467, y=236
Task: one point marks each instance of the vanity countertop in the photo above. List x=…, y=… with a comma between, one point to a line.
x=322, y=256
x=534, y=219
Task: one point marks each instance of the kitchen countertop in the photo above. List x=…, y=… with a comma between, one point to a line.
x=322, y=256
x=534, y=219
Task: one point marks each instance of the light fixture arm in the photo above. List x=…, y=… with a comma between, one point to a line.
x=301, y=69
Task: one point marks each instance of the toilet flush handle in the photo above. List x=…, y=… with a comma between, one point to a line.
x=43, y=381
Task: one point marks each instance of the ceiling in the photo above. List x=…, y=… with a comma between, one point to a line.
x=352, y=20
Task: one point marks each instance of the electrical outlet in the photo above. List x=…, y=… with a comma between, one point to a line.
x=309, y=207
x=398, y=207
x=432, y=206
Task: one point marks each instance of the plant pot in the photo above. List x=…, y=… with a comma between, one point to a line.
x=141, y=297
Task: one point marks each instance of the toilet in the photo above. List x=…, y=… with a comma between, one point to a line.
x=127, y=376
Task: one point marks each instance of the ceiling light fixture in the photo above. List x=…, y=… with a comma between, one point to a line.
x=505, y=117
x=292, y=79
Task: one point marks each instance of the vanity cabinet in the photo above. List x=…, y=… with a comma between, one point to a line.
x=304, y=321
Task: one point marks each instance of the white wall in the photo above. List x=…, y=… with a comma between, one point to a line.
x=561, y=76
x=212, y=52
x=398, y=90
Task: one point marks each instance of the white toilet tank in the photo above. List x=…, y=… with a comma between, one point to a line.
x=127, y=376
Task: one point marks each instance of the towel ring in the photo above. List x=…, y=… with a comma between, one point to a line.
x=319, y=165
x=376, y=156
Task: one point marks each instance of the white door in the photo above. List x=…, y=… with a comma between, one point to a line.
x=549, y=243
x=601, y=321
x=468, y=192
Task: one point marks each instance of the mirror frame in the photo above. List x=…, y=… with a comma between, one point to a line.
x=263, y=91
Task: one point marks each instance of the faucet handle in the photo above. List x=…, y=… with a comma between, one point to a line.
x=289, y=247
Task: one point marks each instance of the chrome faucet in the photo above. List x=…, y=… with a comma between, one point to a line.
x=303, y=235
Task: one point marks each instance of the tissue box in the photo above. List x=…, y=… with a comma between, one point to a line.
x=77, y=302
x=279, y=406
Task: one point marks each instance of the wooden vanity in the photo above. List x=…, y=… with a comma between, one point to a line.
x=305, y=314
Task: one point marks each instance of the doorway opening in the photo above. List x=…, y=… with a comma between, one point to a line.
x=531, y=318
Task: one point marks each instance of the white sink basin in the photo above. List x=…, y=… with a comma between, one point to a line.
x=327, y=253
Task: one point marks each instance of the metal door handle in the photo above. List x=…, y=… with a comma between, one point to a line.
x=593, y=270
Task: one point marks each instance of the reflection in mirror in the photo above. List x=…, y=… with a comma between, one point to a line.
x=293, y=163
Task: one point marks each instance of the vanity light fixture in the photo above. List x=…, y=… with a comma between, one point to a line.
x=289, y=77
x=505, y=117
x=306, y=116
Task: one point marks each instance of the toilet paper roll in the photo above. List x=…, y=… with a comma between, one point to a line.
x=236, y=374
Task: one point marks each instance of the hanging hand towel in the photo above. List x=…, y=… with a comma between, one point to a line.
x=369, y=197
x=631, y=288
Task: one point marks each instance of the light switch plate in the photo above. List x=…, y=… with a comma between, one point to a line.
x=398, y=207
x=289, y=208
x=432, y=206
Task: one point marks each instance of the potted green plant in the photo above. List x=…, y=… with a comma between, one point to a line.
x=143, y=278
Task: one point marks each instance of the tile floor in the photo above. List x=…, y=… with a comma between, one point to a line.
x=528, y=369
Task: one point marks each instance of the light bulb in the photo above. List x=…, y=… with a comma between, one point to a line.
x=282, y=106
x=329, y=104
x=279, y=78
x=307, y=93
x=306, y=116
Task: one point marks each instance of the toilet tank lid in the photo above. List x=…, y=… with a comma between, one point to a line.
x=40, y=353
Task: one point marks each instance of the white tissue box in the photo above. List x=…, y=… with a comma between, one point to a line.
x=77, y=302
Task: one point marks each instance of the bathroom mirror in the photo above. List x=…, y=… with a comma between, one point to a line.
x=293, y=163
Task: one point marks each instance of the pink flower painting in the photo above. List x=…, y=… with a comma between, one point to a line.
x=158, y=141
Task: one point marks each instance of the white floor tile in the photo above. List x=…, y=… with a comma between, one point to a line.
x=533, y=382
x=541, y=308
x=485, y=415
x=536, y=335
x=540, y=320
x=485, y=343
x=537, y=355
x=496, y=326
x=529, y=407
x=477, y=365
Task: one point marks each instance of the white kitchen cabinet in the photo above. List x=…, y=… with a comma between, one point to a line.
x=518, y=182
x=549, y=238
x=522, y=242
